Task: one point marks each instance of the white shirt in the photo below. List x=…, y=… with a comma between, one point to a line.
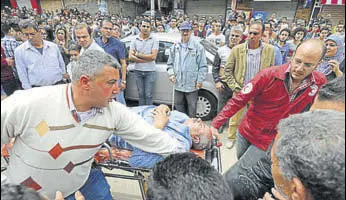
x=218, y=40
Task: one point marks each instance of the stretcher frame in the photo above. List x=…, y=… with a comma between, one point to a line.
x=212, y=155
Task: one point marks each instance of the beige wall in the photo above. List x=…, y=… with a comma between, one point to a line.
x=51, y=4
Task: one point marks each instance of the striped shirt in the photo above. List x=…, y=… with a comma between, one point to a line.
x=253, y=63
x=294, y=93
x=9, y=44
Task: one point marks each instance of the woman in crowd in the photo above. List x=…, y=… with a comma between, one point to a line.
x=333, y=64
x=62, y=40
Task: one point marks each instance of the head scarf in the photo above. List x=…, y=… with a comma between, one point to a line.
x=339, y=56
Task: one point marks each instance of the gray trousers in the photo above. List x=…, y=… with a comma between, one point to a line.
x=186, y=102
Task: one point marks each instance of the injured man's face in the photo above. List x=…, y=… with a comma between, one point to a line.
x=201, y=134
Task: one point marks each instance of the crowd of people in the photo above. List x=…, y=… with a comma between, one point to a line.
x=63, y=69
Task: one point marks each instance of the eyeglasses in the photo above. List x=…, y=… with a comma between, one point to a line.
x=236, y=36
x=106, y=28
x=254, y=33
x=144, y=26
x=29, y=34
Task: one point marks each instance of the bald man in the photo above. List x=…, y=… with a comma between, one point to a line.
x=274, y=94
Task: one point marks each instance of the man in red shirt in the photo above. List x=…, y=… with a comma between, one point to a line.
x=274, y=94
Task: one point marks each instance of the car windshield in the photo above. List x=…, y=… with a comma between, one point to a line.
x=210, y=51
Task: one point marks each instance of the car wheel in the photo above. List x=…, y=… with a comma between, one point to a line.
x=206, y=105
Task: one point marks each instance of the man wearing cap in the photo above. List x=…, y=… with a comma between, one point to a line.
x=187, y=69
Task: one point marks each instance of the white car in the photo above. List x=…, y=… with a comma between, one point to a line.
x=208, y=98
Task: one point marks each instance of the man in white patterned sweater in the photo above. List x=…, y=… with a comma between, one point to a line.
x=58, y=129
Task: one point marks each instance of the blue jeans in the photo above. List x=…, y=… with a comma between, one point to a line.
x=248, y=155
x=145, y=84
x=96, y=187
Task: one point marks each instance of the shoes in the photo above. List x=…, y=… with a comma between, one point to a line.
x=230, y=143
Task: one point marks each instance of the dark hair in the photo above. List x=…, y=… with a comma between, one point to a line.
x=50, y=33
x=333, y=91
x=5, y=28
x=286, y=30
x=29, y=24
x=258, y=23
x=16, y=192
x=74, y=46
x=299, y=29
x=325, y=29
x=116, y=24
x=41, y=21
x=146, y=21
x=311, y=147
x=271, y=26
x=186, y=177
x=106, y=20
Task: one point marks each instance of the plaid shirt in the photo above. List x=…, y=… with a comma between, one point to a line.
x=294, y=93
x=81, y=117
x=9, y=44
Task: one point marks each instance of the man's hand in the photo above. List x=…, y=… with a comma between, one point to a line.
x=172, y=78
x=160, y=119
x=199, y=85
x=276, y=194
x=122, y=86
x=268, y=196
x=10, y=62
x=164, y=108
x=219, y=86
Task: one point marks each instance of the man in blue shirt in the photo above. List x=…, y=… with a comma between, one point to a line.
x=190, y=132
x=115, y=48
x=39, y=62
x=187, y=69
x=284, y=48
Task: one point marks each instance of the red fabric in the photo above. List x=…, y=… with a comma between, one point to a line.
x=34, y=4
x=332, y=2
x=269, y=103
x=14, y=4
x=3, y=57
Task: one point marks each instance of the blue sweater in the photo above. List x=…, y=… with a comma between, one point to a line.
x=175, y=128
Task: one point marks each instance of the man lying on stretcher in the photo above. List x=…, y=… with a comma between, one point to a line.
x=193, y=133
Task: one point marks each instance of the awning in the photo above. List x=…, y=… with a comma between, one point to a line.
x=332, y=2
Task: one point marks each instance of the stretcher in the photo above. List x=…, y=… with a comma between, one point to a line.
x=212, y=155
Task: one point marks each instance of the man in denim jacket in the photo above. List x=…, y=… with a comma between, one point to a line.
x=187, y=69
